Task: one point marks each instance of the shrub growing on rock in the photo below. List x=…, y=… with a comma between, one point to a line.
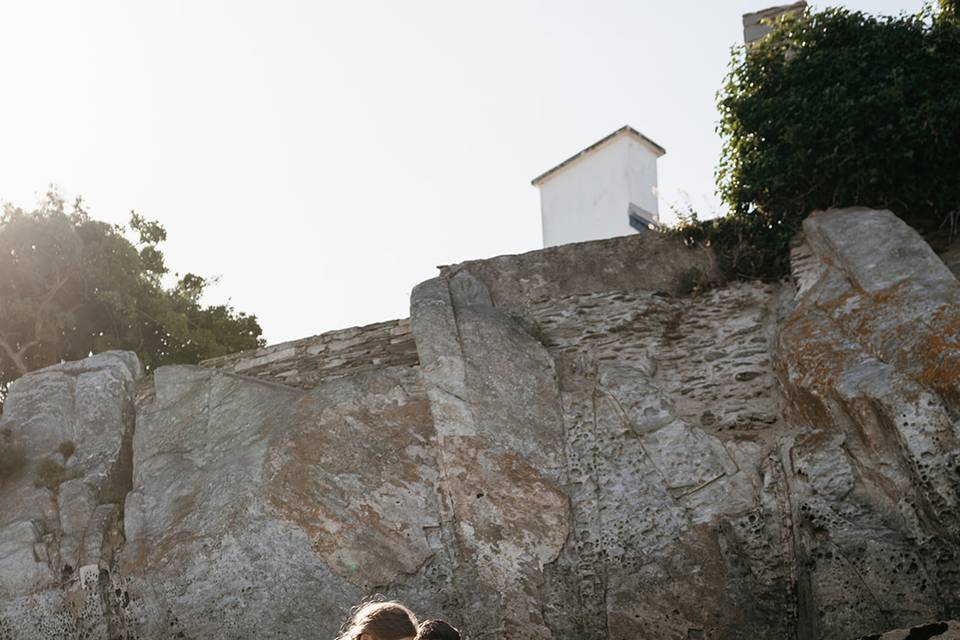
x=51, y=474
x=747, y=247
x=66, y=449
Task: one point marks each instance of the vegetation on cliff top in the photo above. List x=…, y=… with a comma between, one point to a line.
x=835, y=108
x=73, y=286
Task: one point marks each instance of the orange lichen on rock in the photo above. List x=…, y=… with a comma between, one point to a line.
x=814, y=356
x=940, y=353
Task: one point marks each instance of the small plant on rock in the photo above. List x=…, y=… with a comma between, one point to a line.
x=51, y=474
x=67, y=448
x=691, y=281
x=746, y=247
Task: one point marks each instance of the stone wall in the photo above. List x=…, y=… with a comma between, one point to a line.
x=647, y=261
x=556, y=445
x=307, y=362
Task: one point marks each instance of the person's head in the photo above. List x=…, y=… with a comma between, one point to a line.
x=380, y=621
x=437, y=630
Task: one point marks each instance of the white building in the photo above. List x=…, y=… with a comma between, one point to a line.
x=609, y=189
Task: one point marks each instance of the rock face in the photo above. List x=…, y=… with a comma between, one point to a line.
x=871, y=354
x=257, y=506
x=574, y=451
x=61, y=515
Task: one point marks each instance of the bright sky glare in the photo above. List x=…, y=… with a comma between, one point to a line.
x=323, y=157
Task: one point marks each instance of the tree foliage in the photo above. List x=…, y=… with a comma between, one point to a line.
x=72, y=285
x=950, y=8
x=836, y=108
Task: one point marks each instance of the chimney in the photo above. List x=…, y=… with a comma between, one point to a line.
x=756, y=25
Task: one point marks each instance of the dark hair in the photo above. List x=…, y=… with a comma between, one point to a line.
x=437, y=630
x=382, y=620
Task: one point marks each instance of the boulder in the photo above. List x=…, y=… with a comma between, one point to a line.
x=60, y=515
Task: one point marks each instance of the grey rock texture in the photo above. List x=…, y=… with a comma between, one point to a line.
x=870, y=352
x=574, y=451
x=261, y=507
x=56, y=539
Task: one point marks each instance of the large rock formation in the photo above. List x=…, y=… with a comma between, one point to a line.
x=576, y=448
x=61, y=515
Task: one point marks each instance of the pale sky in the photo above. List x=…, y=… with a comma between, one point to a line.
x=324, y=157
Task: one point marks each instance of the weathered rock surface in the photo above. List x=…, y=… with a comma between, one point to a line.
x=870, y=353
x=575, y=451
x=256, y=506
x=56, y=537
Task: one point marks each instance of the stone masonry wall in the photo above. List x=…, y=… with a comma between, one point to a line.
x=307, y=362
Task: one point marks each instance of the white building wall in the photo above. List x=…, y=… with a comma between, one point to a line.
x=642, y=178
x=590, y=198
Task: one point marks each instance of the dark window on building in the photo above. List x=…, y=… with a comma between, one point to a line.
x=640, y=219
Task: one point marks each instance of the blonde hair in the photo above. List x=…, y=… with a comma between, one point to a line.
x=383, y=620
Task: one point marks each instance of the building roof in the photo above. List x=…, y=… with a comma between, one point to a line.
x=624, y=130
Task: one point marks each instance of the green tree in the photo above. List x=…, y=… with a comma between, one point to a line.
x=838, y=108
x=73, y=285
x=950, y=8
x=832, y=109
